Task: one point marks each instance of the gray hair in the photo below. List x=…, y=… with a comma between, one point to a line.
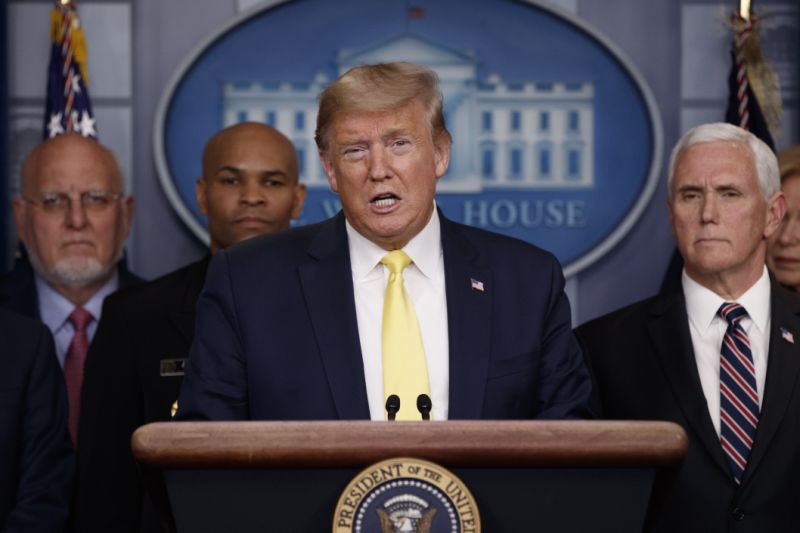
x=766, y=163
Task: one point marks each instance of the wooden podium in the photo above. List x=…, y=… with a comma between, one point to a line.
x=537, y=476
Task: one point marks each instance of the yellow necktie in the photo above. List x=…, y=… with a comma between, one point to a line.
x=404, y=370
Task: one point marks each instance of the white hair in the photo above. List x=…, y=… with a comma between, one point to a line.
x=766, y=164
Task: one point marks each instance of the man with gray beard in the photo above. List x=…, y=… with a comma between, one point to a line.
x=72, y=217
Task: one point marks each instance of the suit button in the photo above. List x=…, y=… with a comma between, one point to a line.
x=737, y=514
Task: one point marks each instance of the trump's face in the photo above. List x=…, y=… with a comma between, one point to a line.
x=720, y=218
x=384, y=166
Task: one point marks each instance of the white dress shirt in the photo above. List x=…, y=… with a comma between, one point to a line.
x=424, y=282
x=708, y=329
x=54, y=310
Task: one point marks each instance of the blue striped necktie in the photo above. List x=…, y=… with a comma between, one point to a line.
x=738, y=391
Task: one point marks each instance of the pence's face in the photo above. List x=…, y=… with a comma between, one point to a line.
x=720, y=218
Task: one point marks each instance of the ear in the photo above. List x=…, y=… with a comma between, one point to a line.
x=776, y=210
x=299, y=199
x=441, y=154
x=19, y=219
x=200, y=195
x=330, y=170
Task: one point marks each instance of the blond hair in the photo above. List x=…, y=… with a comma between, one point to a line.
x=381, y=87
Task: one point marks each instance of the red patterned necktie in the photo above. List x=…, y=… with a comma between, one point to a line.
x=73, y=366
x=738, y=391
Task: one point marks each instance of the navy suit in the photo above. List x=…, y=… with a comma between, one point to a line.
x=36, y=458
x=644, y=367
x=277, y=335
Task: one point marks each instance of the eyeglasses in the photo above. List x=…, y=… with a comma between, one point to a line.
x=60, y=202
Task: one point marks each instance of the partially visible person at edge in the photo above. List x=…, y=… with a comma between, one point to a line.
x=783, y=247
x=134, y=369
x=72, y=216
x=37, y=461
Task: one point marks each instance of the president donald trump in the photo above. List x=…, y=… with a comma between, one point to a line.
x=388, y=309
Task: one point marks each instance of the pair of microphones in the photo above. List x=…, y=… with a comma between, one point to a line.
x=424, y=406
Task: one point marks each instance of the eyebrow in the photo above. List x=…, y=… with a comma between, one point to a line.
x=264, y=173
x=354, y=138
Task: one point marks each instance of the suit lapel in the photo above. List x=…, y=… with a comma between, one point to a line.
x=668, y=327
x=327, y=284
x=469, y=319
x=783, y=366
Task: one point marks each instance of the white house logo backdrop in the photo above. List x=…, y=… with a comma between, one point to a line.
x=556, y=139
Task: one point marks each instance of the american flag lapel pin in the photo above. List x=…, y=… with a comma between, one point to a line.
x=787, y=335
x=476, y=285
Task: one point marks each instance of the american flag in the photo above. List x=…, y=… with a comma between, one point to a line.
x=68, y=108
x=744, y=109
x=476, y=285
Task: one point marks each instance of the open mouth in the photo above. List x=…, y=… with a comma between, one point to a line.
x=384, y=201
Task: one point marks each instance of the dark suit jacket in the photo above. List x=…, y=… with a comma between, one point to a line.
x=18, y=286
x=643, y=367
x=277, y=335
x=36, y=458
x=126, y=387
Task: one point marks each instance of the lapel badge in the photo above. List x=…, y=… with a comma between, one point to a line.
x=476, y=285
x=787, y=335
x=172, y=367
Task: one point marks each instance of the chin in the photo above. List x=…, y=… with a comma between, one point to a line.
x=78, y=271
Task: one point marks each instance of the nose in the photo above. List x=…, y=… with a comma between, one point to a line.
x=708, y=211
x=76, y=214
x=379, y=164
x=789, y=231
x=252, y=192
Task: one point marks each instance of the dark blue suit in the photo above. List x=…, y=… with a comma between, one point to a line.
x=36, y=457
x=277, y=335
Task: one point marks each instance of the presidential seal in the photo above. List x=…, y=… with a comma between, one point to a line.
x=406, y=495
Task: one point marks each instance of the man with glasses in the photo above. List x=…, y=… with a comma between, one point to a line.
x=72, y=217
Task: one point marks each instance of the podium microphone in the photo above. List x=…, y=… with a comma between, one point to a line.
x=424, y=406
x=392, y=405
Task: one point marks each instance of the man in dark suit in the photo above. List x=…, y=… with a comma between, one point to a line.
x=719, y=353
x=73, y=217
x=36, y=457
x=295, y=325
x=135, y=366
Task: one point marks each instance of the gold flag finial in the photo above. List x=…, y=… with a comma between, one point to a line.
x=744, y=9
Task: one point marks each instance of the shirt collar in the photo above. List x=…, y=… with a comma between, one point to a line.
x=424, y=249
x=702, y=304
x=55, y=308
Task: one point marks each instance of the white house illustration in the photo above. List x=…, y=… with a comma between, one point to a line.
x=506, y=134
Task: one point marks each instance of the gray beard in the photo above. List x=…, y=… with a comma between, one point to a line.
x=72, y=272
